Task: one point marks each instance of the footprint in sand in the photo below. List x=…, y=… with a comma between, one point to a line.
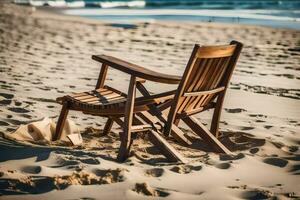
x=225, y=157
x=2, y=123
x=155, y=172
x=111, y=175
x=223, y=165
x=18, y=103
x=26, y=116
x=268, y=126
x=18, y=110
x=9, y=116
x=32, y=169
x=5, y=102
x=235, y=110
x=257, y=194
x=278, y=162
x=246, y=128
x=295, y=169
x=258, y=115
x=66, y=162
x=260, y=121
x=185, y=169
x=254, y=150
x=146, y=189
x=29, y=185
x=7, y=96
x=293, y=148
x=5, y=99
x=92, y=161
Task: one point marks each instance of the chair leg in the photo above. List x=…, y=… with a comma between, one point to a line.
x=175, y=131
x=165, y=148
x=214, y=128
x=126, y=142
x=176, y=122
x=61, y=121
x=128, y=119
x=124, y=147
x=108, y=126
x=205, y=134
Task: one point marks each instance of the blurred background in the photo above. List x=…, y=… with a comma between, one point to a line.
x=275, y=13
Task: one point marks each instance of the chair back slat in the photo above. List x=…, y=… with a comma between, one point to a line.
x=216, y=51
x=209, y=67
x=213, y=82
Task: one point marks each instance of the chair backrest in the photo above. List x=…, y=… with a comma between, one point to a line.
x=206, y=76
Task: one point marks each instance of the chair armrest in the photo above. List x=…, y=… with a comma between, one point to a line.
x=136, y=70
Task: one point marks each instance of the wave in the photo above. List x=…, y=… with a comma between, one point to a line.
x=239, y=14
x=119, y=4
x=70, y=4
x=225, y=4
x=52, y=3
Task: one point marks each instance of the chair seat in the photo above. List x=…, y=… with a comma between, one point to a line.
x=101, y=99
x=110, y=101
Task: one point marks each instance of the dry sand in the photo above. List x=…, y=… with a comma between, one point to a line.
x=44, y=56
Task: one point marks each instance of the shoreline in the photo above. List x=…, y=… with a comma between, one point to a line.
x=44, y=55
x=55, y=12
x=114, y=16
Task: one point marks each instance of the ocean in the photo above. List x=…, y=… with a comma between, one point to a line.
x=275, y=13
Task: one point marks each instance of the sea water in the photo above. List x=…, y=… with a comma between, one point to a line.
x=283, y=13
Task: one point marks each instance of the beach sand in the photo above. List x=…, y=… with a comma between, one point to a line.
x=44, y=56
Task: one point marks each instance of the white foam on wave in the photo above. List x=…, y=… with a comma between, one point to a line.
x=122, y=4
x=57, y=3
x=242, y=14
x=52, y=3
x=62, y=3
x=76, y=4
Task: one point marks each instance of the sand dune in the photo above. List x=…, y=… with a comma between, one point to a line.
x=44, y=56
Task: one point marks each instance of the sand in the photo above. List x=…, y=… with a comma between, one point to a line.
x=45, y=55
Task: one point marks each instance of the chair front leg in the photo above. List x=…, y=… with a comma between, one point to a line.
x=108, y=126
x=128, y=118
x=61, y=121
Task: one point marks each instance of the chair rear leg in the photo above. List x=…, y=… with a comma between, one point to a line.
x=108, y=126
x=214, y=128
x=165, y=148
x=176, y=132
x=61, y=121
x=205, y=134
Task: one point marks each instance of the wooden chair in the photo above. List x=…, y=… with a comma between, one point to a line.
x=203, y=86
x=115, y=105
x=205, y=79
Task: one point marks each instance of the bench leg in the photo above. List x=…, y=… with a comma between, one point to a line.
x=61, y=121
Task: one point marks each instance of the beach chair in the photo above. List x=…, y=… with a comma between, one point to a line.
x=205, y=79
x=203, y=86
x=122, y=108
